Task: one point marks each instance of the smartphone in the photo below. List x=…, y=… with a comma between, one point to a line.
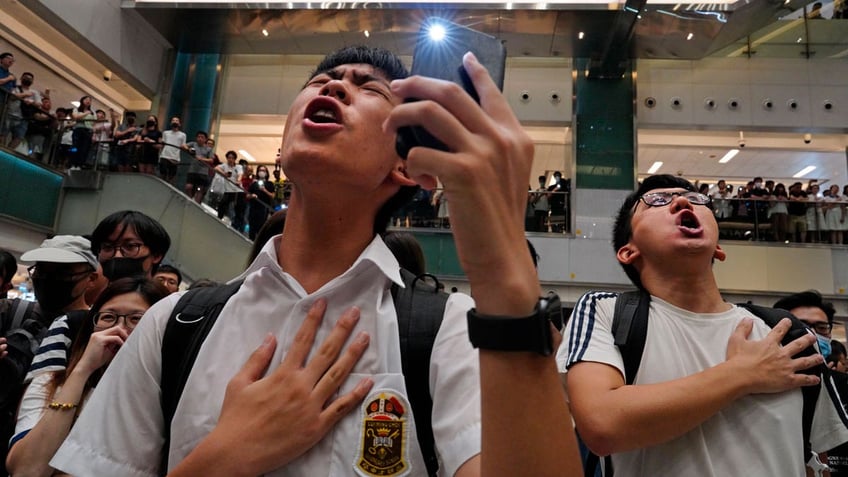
x=442, y=59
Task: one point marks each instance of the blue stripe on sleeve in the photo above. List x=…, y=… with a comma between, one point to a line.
x=581, y=333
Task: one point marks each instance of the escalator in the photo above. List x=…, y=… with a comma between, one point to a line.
x=37, y=201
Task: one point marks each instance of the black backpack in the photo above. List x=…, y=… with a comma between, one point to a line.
x=419, y=307
x=630, y=330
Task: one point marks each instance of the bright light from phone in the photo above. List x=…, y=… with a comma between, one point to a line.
x=437, y=32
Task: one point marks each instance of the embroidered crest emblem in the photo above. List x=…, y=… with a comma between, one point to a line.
x=383, y=440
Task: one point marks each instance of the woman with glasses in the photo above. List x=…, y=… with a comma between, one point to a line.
x=53, y=400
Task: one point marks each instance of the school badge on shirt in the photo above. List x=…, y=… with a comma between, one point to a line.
x=384, y=435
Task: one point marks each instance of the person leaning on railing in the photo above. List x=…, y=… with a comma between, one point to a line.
x=82, y=131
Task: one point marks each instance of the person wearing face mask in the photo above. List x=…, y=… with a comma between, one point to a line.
x=64, y=269
x=260, y=195
x=810, y=308
x=169, y=156
x=149, y=142
x=127, y=243
x=818, y=314
x=50, y=402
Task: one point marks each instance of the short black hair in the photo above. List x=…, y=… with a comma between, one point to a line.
x=836, y=349
x=231, y=153
x=407, y=250
x=129, y=114
x=807, y=298
x=150, y=231
x=170, y=269
x=622, y=232
x=8, y=266
x=380, y=58
x=27, y=73
x=4, y=55
x=205, y=134
x=533, y=254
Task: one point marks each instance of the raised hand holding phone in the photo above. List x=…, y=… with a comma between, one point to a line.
x=438, y=54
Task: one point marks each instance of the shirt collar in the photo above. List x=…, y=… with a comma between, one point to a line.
x=376, y=253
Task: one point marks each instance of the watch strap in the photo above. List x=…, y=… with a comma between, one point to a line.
x=507, y=333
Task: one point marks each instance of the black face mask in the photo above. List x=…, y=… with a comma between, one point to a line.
x=130, y=121
x=54, y=295
x=175, y=125
x=122, y=267
x=150, y=124
x=26, y=81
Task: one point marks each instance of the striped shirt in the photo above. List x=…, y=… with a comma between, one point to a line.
x=52, y=354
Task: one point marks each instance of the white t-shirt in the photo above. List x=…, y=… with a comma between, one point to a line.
x=172, y=142
x=758, y=435
x=120, y=432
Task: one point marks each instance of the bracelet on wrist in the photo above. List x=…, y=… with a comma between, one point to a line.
x=62, y=406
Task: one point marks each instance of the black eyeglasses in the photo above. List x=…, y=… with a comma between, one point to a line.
x=35, y=272
x=820, y=327
x=128, y=249
x=107, y=319
x=659, y=199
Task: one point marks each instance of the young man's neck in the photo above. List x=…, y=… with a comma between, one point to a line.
x=320, y=242
x=687, y=289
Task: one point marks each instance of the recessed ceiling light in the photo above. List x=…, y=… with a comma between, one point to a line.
x=727, y=157
x=803, y=172
x=265, y=32
x=655, y=167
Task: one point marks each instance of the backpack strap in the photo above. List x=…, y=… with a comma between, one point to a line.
x=630, y=329
x=420, y=308
x=21, y=309
x=189, y=324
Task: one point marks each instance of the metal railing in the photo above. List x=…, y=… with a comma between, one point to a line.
x=815, y=220
x=546, y=212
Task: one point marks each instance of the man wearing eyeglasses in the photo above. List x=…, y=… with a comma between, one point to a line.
x=816, y=313
x=64, y=270
x=715, y=394
x=127, y=243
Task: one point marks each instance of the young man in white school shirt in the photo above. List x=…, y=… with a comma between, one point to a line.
x=338, y=149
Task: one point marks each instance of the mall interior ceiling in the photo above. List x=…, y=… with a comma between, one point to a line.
x=608, y=33
x=634, y=28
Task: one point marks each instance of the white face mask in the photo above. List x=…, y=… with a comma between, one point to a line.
x=262, y=175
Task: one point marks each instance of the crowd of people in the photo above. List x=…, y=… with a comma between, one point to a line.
x=310, y=362
x=86, y=138
x=798, y=213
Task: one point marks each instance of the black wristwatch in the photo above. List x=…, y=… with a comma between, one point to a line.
x=511, y=333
